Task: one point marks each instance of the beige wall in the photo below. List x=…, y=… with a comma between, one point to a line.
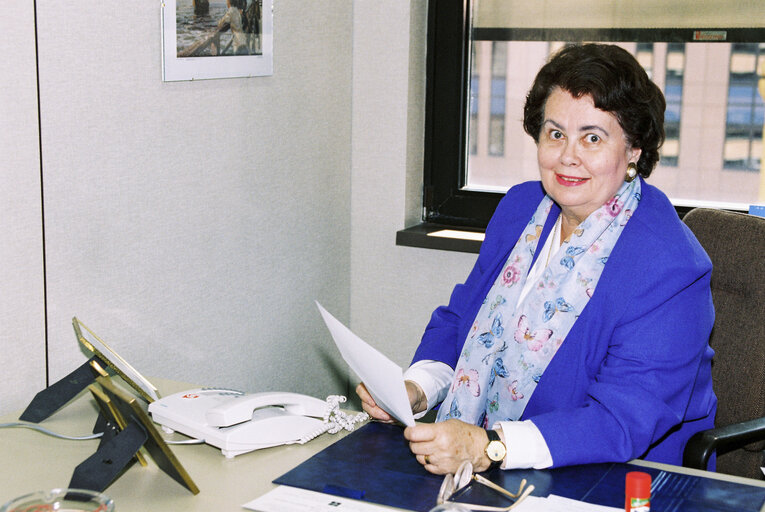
x=393, y=289
x=22, y=340
x=190, y=224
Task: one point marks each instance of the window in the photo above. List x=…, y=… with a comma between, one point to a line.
x=497, y=105
x=746, y=111
x=673, y=94
x=475, y=145
x=474, y=100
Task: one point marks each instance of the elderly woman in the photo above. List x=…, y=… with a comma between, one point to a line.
x=580, y=335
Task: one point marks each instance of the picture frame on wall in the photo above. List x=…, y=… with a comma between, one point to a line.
x=208, y=39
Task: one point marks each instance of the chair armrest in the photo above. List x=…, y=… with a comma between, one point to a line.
x=702, y=445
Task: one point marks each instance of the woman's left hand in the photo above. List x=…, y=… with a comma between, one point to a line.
x=442, y=447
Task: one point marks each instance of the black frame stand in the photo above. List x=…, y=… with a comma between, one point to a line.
x=113, y=455
x=52, y=398
x=125, y=425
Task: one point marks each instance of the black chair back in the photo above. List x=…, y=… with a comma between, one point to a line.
x=735, y=243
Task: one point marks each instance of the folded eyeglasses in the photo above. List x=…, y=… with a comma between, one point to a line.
x=453, y=483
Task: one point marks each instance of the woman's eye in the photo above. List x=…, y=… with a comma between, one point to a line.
x=592, y=138
x=556, y=134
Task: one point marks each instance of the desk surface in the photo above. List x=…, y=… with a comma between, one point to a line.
x=34, y=461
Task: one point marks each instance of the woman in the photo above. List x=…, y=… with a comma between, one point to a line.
x=580, y=335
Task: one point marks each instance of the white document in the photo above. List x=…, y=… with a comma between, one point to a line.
x=383, y=378
x=554, y=503
x=291, y=499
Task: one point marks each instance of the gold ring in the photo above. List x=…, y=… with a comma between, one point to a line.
x=427, y=460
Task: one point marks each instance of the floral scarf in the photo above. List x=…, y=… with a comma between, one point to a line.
x=511, y=342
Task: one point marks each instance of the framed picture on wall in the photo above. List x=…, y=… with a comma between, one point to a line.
x=205, y=39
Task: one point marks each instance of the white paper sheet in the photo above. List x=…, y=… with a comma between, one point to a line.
x=383, y=378
x=554, y=503
x=291, y=499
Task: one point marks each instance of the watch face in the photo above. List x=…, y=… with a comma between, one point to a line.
x=496, y=451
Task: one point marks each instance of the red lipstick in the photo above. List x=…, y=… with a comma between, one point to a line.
x=570, y=181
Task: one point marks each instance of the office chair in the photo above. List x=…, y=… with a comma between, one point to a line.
x=735, y=243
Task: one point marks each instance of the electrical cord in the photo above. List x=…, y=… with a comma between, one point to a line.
x=35, y=426
x=186, y=441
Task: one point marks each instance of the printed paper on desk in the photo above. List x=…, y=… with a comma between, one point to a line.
x=292, y=499
x=383, y=378
x=554, y=503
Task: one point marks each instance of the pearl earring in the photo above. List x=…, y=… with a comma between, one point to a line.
x=631, y=172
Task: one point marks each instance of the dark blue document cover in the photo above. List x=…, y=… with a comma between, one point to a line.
x=374, y=464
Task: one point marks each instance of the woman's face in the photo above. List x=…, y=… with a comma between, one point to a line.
x=582, y=154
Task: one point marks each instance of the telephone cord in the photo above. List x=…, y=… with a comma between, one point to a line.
x=35, y=426
x=335, y=420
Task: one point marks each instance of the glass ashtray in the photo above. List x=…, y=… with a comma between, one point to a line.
x=60, y=500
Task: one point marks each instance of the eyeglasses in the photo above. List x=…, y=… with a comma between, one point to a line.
x=463, y=476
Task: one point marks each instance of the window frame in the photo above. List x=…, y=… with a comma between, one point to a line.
x=448, y=73
x=445, y=201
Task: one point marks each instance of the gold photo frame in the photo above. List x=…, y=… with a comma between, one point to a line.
x=121, y=367
x=121, y=408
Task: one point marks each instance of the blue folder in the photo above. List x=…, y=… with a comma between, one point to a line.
x=374, y=464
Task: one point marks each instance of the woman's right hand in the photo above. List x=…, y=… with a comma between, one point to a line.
x=414, y=392
x=370, y=406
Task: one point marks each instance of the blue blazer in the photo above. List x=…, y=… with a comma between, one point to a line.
x=633, y=376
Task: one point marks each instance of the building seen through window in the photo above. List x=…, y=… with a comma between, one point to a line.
x=673, y=94
x=713, y=122
x=708, y=58
x=745, y=108
x=498, y=86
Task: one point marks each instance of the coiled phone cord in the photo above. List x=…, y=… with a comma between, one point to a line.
x=335, y=420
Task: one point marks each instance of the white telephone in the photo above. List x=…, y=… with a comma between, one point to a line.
x=239, y=423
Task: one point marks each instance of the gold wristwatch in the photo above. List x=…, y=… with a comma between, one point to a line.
x=496, y=449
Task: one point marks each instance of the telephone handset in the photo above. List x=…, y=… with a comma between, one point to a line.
x=239, y=423
x=240, y=408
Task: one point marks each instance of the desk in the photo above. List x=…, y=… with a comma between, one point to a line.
x=33, y=461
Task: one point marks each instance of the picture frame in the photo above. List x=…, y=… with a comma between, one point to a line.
x=121, y=408
x=111, y=414
x=121, y=367
x=200, y=43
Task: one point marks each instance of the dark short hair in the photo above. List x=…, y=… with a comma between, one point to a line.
x=616, y=82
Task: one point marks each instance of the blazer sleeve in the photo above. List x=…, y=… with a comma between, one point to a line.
x=655, y=373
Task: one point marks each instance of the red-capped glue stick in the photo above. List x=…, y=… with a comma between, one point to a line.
x=637, y=492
